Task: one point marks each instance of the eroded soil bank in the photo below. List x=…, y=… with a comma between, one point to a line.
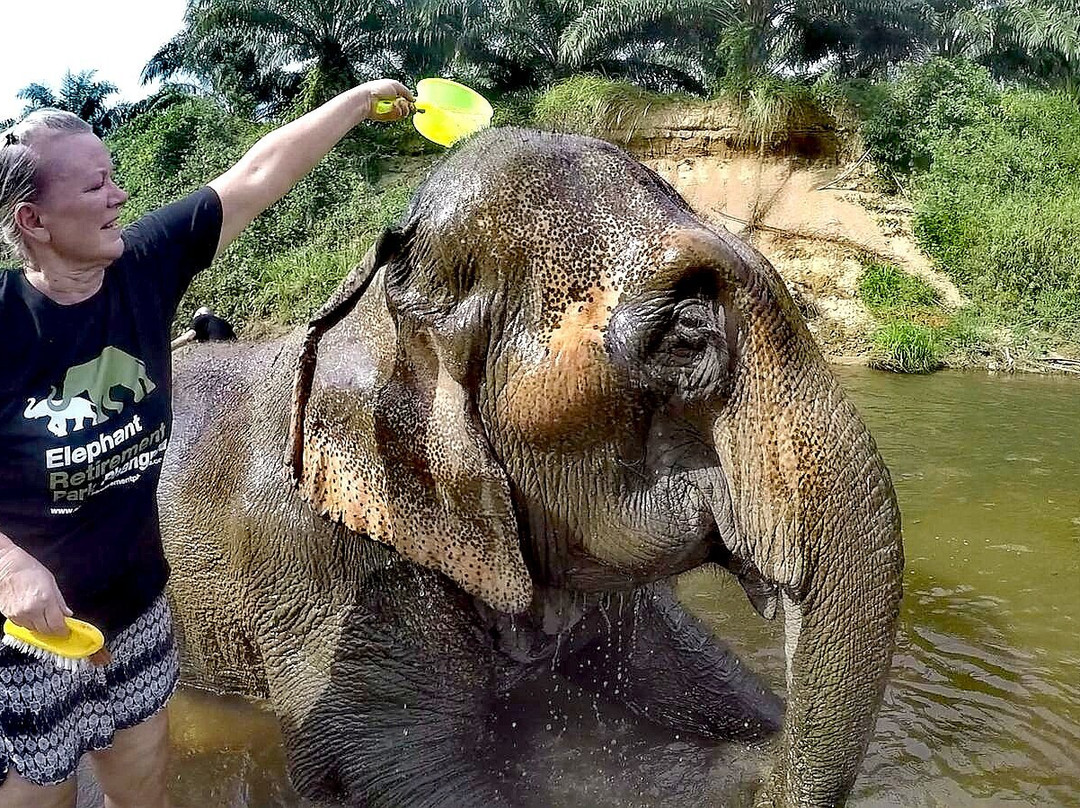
x=817, y=227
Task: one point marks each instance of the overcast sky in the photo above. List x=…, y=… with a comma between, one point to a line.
x=40, y=39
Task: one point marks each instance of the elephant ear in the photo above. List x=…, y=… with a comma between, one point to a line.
x=401, y=456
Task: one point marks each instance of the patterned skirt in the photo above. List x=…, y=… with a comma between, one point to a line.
x=50, y=717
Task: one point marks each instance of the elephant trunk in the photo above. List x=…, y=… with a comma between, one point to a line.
x=817, y=527
x=838, y=642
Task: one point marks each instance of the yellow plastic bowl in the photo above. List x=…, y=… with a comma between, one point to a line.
x=447, y=111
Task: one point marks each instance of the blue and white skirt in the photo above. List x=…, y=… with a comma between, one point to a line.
x=49, y=718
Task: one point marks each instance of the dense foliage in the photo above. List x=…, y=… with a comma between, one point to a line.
x=995, y=176
x=925, y=104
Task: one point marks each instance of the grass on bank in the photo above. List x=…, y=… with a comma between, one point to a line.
x=901, y=346
x=916, y=333
x=995, y=179
x=904, y=342
x=769, y=108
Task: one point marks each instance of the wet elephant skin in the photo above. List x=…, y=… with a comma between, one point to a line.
x=561, y=388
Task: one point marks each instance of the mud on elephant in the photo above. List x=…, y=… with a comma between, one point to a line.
x=551, y=381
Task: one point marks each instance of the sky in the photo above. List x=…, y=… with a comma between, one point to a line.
x=40, y=39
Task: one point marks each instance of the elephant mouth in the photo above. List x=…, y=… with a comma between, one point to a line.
x=764, y=595
x=722, y=540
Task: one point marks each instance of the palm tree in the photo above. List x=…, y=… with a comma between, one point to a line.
x=272, y=49
x=528, y=44
x=223, y=66
x=805, y=37
x=650, y=42
x=1027, y=38
x=1040, y=40
x=959, y=28
x=79, y=93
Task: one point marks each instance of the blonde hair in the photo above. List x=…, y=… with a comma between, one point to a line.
x=19, y=166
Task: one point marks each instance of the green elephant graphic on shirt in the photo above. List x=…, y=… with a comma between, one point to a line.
x=98, y=377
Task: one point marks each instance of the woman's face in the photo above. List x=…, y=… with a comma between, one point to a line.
x=78, y=202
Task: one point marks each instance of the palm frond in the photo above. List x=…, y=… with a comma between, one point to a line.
x=607, y=22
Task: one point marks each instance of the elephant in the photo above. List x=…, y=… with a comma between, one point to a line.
x=59, y=411
x=549, y=388
x=98, y=377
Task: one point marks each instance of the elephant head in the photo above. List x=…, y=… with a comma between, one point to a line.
x=578, y=383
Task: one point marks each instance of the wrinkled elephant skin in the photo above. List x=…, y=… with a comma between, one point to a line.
x=560, y=384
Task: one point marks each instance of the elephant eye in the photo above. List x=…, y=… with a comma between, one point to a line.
x=691, y=315
x=696, y=323
x=673, y=343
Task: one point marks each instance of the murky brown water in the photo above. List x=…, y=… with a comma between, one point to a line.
x=984, y=703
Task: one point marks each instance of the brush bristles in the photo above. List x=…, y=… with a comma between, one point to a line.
x=62, y=662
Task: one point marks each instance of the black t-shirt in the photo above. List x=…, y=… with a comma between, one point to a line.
x=86, y=411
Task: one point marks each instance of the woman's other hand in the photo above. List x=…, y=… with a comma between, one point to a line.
x=29, y=596
x=387, y=90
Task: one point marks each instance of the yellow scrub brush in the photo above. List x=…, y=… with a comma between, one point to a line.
x=84, y=646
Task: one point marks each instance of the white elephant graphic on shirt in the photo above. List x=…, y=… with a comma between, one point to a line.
x=60, y=411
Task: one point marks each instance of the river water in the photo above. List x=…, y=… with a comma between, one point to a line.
x=983, y=706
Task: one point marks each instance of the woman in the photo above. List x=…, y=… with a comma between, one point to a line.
x=85, y=413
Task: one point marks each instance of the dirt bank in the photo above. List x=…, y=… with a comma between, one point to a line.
x=812, y=221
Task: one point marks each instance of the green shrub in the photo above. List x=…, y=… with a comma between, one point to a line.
x=906, y=347
x=841, y=98
x=1022, y=254
x=884, y=288
x=926, y=103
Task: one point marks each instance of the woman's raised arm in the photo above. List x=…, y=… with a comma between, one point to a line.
x=283, y=157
